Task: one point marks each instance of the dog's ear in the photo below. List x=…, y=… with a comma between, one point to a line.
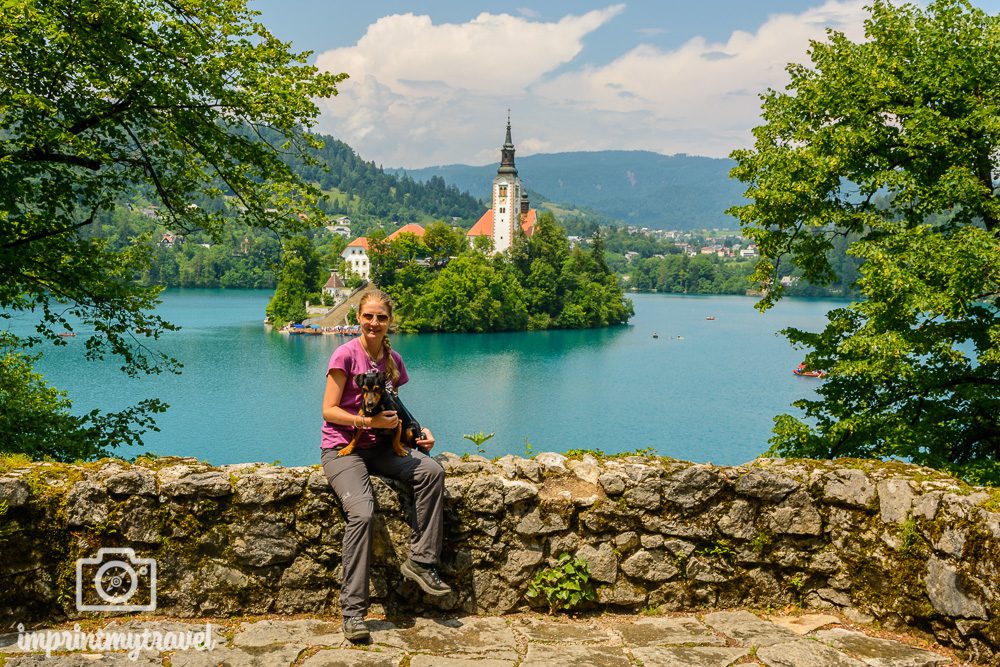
x=359, y=381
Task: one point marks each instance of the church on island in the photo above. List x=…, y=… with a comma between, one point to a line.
x=508, y=212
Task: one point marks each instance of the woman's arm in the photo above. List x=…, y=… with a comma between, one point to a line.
x=333, y=413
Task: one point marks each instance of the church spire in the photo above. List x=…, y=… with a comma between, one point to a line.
x=507, y=153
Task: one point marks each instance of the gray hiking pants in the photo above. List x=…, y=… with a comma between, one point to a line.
x=348, y=476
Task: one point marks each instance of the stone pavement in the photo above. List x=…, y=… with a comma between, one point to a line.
x=715, y=639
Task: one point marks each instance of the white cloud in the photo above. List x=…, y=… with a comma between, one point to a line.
x=702, y=98
x=423, y=94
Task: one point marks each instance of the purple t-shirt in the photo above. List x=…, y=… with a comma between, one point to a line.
x=352, y=359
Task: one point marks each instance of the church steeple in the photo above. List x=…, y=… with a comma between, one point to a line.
x=507, y=153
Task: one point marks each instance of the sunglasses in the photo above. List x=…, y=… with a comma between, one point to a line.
x=381, y=317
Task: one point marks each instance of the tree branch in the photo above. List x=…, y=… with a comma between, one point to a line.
x=47, y=234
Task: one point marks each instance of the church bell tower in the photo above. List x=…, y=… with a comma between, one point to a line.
x=506, y=197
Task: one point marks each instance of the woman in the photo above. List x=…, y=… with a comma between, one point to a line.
x=348, y=475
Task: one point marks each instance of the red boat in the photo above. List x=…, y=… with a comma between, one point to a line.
x=801, y=371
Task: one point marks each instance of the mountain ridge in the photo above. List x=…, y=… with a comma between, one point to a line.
x=634, y=187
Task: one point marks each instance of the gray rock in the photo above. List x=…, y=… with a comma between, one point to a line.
x=87, y=504
x=520, y=563
x=551, y=462
x=265, y=544
x=536, y=523
x=493, y=594
x=945, y=592
x=267, y=488
x=806, y=623
x=352, y=657
x=306, y=632
x=586, y=470
x=703, y=569
x=664, y=631
x=304, y=572
x=485, y=496
x=650, y=566
x=612, y=483
x=516, y=491
x=13, y=491
x=738, y=520
x=895, y=497
x=621, y=593
x=796, y=515
x=926, y=506
x=879, y=652
x=133, y=482
x=179, y=481
x=551, y=630
x=765, y=485
x=689, y=656
x=529, y=469
x=316, y=482
x=548, y=655
x=746, y=629
x=805, y=653
x=849, y=486
x=277, y=656
x=601, y=562
x=140, y=518
x=694, y=486
x=482, y=637
x=651, y=541
x=645, y=495
x=952, y=541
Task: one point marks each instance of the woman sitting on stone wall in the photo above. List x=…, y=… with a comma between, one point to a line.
x=348, y=472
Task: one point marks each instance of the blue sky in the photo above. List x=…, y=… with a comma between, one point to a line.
x=431, y=81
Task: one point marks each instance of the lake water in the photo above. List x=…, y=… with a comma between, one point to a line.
x=703, y=390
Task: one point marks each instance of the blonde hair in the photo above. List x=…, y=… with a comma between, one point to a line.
x=381, y=297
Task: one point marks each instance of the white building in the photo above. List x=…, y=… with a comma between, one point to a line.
x=356, y=256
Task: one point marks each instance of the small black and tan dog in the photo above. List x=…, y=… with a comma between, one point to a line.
x=375, y=399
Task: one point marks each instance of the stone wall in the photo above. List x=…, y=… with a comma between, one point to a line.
x=875, y=541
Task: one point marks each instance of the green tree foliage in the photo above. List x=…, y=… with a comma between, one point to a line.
x=299, y=280
x=472, y=294
x=37, y=419
x=194, y=107
x=539, y=283
x=895, y=142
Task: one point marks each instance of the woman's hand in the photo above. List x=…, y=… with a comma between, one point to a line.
x=384, y=419
x=426, y=443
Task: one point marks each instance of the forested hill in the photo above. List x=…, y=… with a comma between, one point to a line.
x=635, y=187
x=367, y=190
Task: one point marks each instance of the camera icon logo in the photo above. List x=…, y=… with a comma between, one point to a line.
x=122, y=581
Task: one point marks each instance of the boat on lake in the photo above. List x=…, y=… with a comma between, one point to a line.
x=801, y=371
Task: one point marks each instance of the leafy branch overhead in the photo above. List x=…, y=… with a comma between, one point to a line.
x=893, y=143
x=193, y=107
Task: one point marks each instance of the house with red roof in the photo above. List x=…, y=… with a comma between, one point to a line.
x=356, y=252
x=356, y=256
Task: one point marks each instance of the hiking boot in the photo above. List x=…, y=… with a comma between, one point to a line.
x=425, y=576
x=355, y=629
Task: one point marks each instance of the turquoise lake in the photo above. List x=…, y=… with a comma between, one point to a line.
x=703, y=390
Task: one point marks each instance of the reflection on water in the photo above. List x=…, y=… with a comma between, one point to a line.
x=703, y=390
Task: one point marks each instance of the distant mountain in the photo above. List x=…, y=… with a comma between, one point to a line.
x=636, y=187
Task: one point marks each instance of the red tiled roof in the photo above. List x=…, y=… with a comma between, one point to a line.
x=484, y=226
x=411, y=228
x=334, y=282
x=528, y=226
x=360, y=242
